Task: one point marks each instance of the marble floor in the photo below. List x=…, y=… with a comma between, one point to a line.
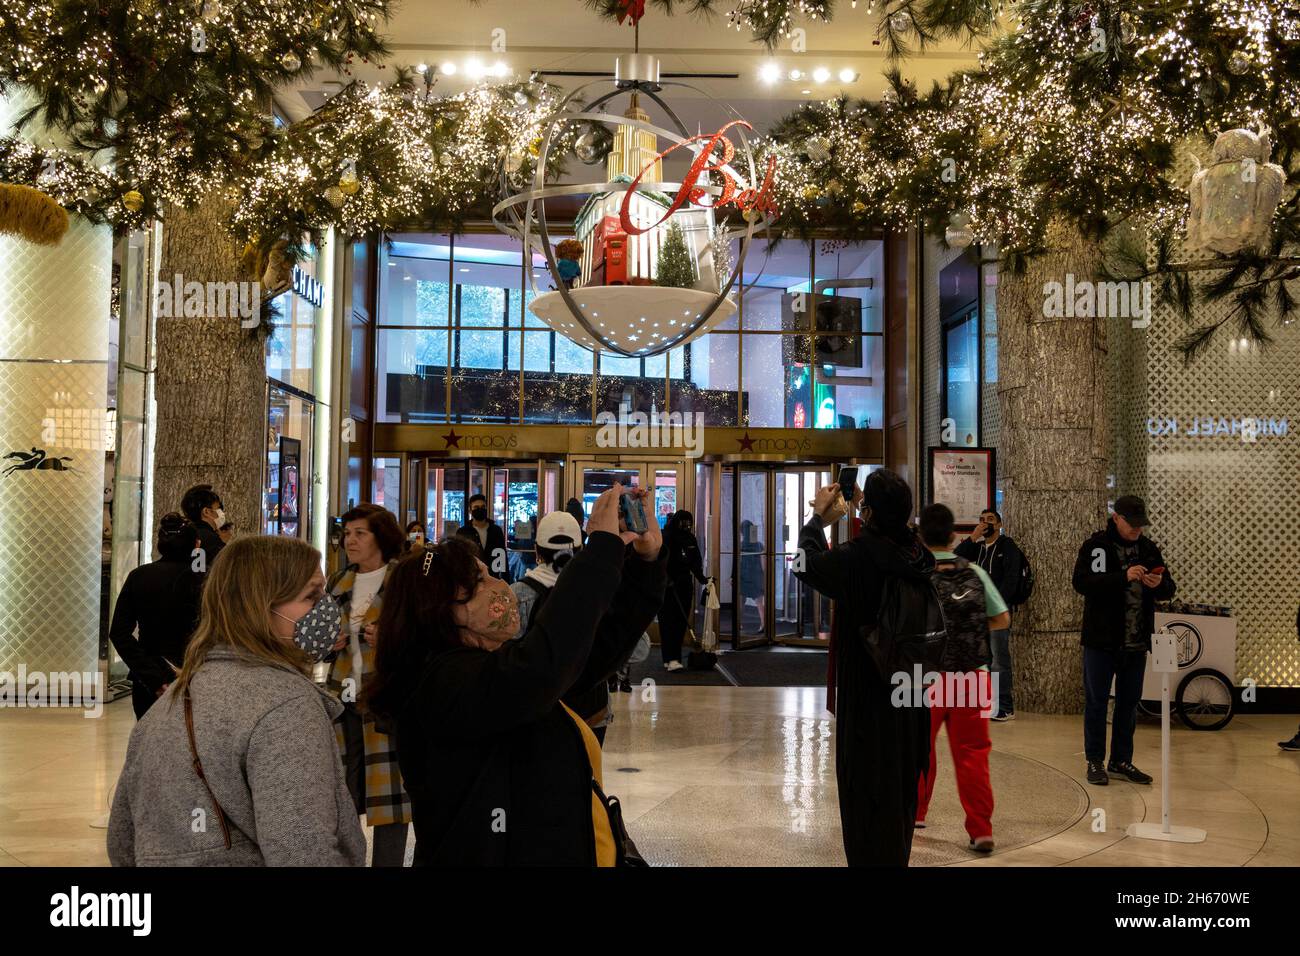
x=746, y=776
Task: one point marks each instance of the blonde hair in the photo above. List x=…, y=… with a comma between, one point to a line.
x=249, y=577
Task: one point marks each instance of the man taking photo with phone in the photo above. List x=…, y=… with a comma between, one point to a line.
x=1002, y=560
x=1121, y=574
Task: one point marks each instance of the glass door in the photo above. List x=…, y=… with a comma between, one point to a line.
x=799, y=614
x=749, y=542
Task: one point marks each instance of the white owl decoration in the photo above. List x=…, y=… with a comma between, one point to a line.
x=1234, y=198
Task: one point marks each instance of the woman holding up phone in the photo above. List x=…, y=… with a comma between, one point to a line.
x=499, y=771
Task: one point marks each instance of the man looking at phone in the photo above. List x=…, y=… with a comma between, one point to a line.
x=1002, y=560
x=1121, y=574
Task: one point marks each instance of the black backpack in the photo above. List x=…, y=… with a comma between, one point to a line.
x=909, y=629
x=1024, y=583
x=965, y=614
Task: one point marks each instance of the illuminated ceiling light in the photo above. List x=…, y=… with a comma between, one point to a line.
x=475, y=69
x=449, y=69
x=499, y=68
x=821, y=74
x=848, y=75
x=806, y=92
x=796, y=74
x=422, y=68
x=769, y=73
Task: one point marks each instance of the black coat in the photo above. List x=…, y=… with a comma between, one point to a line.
x=496, y=538
x=496, y=769
x=1003, y=566
x=209, y=542
x=1104, y=590
x=880, y=750
x=162, y=600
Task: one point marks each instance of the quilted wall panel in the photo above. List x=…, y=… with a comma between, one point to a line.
x=54, y=313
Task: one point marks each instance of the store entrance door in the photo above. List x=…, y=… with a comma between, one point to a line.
x=763, y=509
x=666, y=477
x=518, y=492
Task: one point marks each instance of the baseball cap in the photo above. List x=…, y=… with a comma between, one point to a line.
x=559, y=529
x=1133, y=510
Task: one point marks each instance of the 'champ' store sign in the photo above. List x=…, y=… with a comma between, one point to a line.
x=1206, y=426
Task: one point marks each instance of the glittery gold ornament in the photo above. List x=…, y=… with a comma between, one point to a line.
x=291, y=61
x=349, y=184
x=334, y=196
x=834, y=187
x=132, y=200
x=859, y=207
x=811, y=192
x=535, y=147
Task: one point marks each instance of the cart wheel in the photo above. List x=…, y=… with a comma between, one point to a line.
x=1205, y=700
x=1149, y=708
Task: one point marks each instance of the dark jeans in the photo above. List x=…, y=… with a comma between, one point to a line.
x=1127, y=668
x=1000, y=645
x=672, y=620
x=389, y=838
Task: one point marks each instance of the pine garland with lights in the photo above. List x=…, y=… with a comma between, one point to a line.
x=174, y=93
x=415, y=160
x=1081, y=113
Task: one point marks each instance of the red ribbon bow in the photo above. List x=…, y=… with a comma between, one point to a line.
x=632, y=8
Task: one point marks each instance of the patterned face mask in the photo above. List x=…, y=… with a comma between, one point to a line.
x=492, y=614
x=317, y=630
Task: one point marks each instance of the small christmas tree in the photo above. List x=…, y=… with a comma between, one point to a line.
x=676, y=267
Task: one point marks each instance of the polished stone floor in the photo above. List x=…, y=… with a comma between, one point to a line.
x=738, y=776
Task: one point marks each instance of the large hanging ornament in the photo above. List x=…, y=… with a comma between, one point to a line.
x=1238, y=63
x=334, y=196
x=587, y=147
x=818, y=150
x=1127, y=28
x=649, y=276
x=1233, y=199
x=291, y=61
x=132, y=200
x=900, y=21
x=349, y=184
x=959, y=234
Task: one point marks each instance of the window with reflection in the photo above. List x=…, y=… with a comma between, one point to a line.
x=456, y=333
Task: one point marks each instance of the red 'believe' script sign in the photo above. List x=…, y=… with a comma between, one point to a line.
x=744, y=199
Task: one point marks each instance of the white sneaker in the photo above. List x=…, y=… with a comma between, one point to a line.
x=673, y=666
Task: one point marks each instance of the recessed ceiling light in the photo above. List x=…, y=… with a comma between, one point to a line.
x=449, y=68
x=796, y=74
x=821, y=74
x=769, y=73
x=422, y=68
x=848, y=75
x=474, y=68
x=805, y=92
x=499, y=68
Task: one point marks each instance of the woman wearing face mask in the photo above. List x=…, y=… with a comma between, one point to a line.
x=242, y=740
x=684, y=565
x=500, y=772
x=414, y=537
x=372, y=540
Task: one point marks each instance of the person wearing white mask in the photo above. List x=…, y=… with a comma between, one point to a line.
x=203, y=507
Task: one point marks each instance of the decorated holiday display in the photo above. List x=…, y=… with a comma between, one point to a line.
x=1234, y=199
x=647, y=279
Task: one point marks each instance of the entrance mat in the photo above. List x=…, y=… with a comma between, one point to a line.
x=776, y=667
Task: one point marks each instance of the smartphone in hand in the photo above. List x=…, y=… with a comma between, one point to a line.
x=632, y=512
x=848, y=482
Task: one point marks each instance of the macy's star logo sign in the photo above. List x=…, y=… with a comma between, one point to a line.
x=452, y=439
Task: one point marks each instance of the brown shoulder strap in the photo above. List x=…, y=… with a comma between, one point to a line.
x=198, y=768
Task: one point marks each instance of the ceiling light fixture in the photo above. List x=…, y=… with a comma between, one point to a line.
x=769, y=73
x=821, y=74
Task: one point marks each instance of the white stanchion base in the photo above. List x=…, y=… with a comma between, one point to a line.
x=1154, y=831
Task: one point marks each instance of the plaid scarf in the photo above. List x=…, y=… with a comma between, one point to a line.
x=386, y=798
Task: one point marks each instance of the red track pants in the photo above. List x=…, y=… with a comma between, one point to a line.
x=968, y=736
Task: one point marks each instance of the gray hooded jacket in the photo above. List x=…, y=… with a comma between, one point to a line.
x=266, y=741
